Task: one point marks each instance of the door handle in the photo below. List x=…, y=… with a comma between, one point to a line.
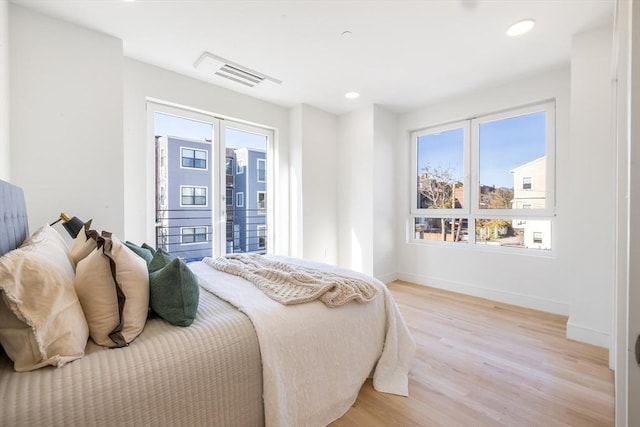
x=638, y=350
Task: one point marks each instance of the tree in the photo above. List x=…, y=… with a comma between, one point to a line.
x=437, y=187
x=494, y=198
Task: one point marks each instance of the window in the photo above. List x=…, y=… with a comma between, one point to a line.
x=193, y=196
x=240, y=199
x=262, y=202
x=229, y=197
x=537, y=237
x=194, y=158
x=229, y=166
x=191, y=235
x=493, y=174
x=262, y=236
x=262, y=170
x=239, y=166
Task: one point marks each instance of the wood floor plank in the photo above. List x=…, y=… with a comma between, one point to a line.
x=484, y=363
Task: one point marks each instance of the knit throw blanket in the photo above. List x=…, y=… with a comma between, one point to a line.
x=293, y=284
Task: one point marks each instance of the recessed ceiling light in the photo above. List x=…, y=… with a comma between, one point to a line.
x=351, y=95
x=520, y=27
x=346, y=34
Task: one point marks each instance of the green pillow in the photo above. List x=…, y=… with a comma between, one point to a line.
x=174, y=293
x=140, y=251
x=150, y=248
x=159, y=260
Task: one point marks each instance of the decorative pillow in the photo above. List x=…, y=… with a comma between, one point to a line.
x=41, y=320
x=145, y=246
x=143, y=253
x=160, y=259
x=174, y=293
x=113, y=287
x=84, y=243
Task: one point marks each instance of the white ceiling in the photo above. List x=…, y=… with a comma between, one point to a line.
x=402, y=54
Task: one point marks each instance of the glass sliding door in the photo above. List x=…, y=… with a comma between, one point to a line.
x=247, y=187
x=212, y=184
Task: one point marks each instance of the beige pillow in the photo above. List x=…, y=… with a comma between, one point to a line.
x=84, y=243
x=113, y=321
x=41, y=320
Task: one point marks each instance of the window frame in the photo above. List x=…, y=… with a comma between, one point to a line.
x=261, y=227
x=261, y=210
x=550, y=201
x=454, y=212
x=264, y=162
x=206, y=235
x=239, y=196
x=206, y=196
x=471, y=180
x=206, y=158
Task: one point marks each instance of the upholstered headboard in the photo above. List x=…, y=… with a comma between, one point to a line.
x=14, y=228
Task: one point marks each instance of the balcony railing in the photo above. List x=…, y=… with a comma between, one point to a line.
x=188, y=233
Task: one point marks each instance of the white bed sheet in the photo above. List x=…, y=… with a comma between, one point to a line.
x=315, y=359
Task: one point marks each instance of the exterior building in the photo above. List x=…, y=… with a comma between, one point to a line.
x=529, y=192
x=249, y=202
x=184, y=190
x=183, y=197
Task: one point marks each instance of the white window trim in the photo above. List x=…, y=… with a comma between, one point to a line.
x=239, y=166
x=264, y=161
x=206, y=158
x=549, y=210
x=464, y=124
x=240, y=197
x=258, y=228
x=471, y=184
x=261, y=211
x=206, y=235
x=206, y=196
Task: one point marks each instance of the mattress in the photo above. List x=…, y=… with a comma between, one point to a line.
x=213, y=368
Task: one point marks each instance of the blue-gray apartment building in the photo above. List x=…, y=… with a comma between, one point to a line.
x=184, y=198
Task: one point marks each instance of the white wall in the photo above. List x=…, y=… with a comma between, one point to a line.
x=66, y=120
x=355, y=190
x=385, y=190
x=313, y=159
x=593, y=197
x=532, y=281
x=5, y=151
x=142, y=81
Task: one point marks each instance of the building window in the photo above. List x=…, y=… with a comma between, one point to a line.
x=240, y=200
x=193, y=196
x=192, y=235
x=229, y=166
x=262, y=170
x=239, y=166
x=472, y=180
x=262, y=202
x=537, y=237
x=193, y=158
x=262, y=236
x=229, y=197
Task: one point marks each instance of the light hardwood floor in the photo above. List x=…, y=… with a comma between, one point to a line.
x=483, y=363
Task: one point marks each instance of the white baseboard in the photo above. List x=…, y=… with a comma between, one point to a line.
x=584, y=334
x=521, y=300
x=387, y=278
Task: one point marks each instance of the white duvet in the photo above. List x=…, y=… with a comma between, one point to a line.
x=315, y=359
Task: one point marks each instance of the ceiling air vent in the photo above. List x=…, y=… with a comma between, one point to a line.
x=215, y=65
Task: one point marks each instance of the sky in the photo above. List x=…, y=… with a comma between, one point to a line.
x=165, y=124
x=504, y=144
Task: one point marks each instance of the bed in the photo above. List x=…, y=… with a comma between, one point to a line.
x=246, y=360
